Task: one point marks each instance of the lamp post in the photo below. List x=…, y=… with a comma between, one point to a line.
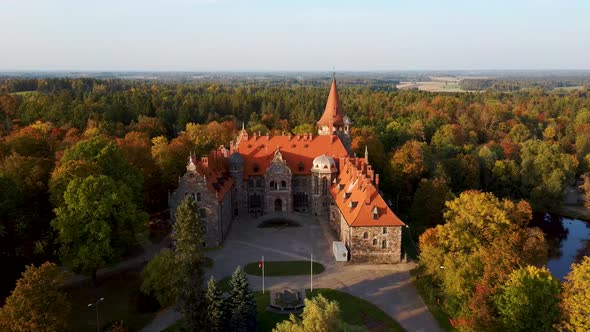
x=96, y=306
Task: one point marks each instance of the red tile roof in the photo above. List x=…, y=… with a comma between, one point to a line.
x=332, y=113
x=357, y=197
x=298, y=150
x=214, y=169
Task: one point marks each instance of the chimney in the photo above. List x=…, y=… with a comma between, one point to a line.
x=377, y=181
x=289, y=137
x=267, y=136
x=368, y=194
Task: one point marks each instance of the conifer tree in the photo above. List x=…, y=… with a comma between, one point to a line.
x=214, y=306
x=189, y=234
x=188, y=237
x=241, y=306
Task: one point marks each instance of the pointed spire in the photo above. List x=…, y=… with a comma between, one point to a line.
x=366, y=154
x=332, y=110
x=243, y=126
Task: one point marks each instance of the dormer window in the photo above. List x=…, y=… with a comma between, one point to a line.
x=352, y=204
x=341, y=186
x=376, y=214
x=346, y=195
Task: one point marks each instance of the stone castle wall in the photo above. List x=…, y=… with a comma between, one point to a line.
x=370, y=249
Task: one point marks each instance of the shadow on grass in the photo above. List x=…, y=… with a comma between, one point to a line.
x=122, y=302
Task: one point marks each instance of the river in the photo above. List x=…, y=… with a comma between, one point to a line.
x=568, y=241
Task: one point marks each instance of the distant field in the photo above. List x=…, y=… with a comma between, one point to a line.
x=24, y=93
x=441, y=84
x=570, y=88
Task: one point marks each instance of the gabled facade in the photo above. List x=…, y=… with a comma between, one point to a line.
x=262, y=174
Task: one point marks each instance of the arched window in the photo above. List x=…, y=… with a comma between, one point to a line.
x=374, y=242
x=324, y=186
x=365, y=235
x=383, y=244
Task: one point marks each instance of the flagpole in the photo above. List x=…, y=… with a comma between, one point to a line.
x=262, y=274
x=311, y=271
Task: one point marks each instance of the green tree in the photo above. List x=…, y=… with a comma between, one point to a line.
x=576, y=297
x=38, y=303
x=97, y=223
x=529, y=300
x=319, y=315
x=189, y=234
x=188, y=239
x=215, y=306
x=241, y=306
x=545, y=172
x=429, y=202
x=303, y=129
x=481, y=242
x=108, y=158
x=160, y=277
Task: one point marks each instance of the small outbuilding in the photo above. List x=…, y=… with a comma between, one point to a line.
x=340, y=251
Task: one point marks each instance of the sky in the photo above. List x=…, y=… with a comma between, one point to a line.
x=295, y=35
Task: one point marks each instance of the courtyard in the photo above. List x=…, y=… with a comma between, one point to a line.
x=389, y=287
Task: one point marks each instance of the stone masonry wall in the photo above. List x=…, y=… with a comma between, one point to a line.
x=370, y=249
x=194, y=185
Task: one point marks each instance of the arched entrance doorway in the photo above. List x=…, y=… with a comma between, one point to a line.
x=278, y=205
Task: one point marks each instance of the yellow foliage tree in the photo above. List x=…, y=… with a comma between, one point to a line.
x=576, y=298
x=38, y=302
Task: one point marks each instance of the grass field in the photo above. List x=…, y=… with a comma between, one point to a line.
x=353, y=311
x=24, y=93
x=436, y=84
x=121, y=296
x=283, y=268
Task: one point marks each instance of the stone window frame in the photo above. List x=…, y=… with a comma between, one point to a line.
x=384, y=244
x=374, y=242
x=365, y=235
x=384, y=230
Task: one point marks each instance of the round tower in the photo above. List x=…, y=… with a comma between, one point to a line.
x=323, y=172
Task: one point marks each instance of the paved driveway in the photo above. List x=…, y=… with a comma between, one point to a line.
x=387, y=286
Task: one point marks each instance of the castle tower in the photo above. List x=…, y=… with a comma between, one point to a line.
x=323, y=172
x=333, y=121
x=236, y=170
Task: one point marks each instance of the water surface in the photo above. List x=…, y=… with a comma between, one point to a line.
x=568, y=241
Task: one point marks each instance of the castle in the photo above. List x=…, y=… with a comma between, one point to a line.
x=261, y=174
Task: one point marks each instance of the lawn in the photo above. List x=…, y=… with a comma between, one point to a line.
x=121, y=298
x=354, y=311
x=283, y=268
